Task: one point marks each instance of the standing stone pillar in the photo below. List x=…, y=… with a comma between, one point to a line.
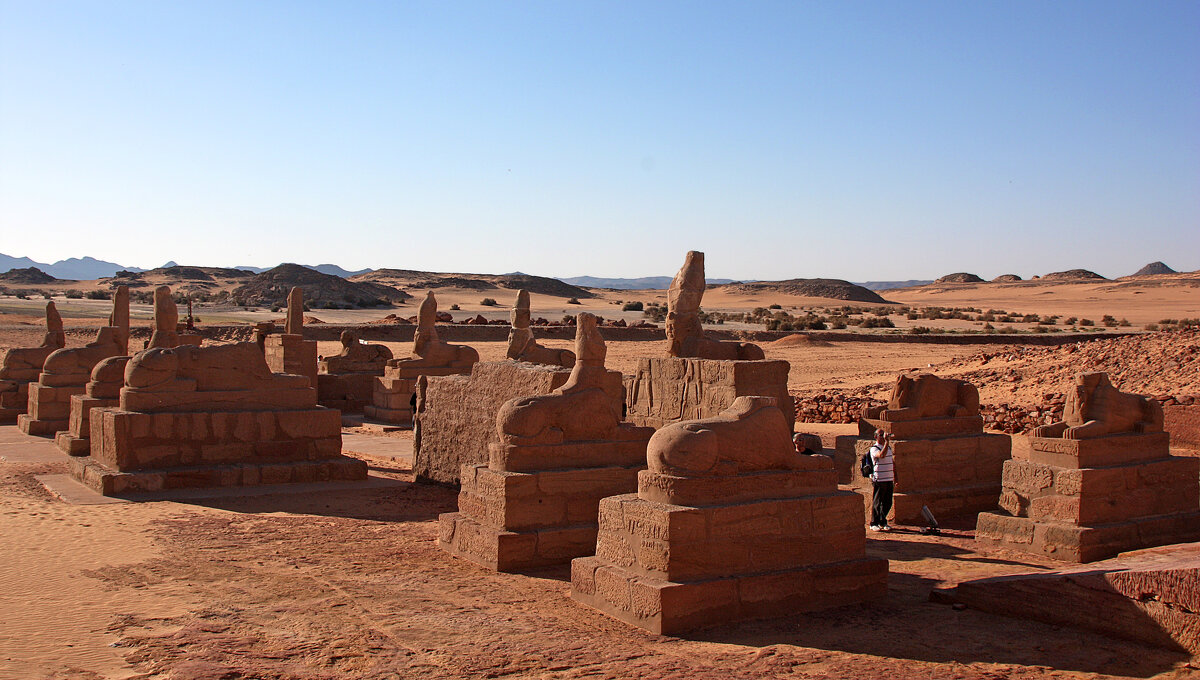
x=290, y=352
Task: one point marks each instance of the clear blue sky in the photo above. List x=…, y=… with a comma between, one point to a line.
x=786, y=139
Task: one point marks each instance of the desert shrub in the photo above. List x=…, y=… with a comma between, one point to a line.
x=568, y=319
x=1086, y=322
x=1030, y=318
x=574, y=301
x=455, y=307
x=96, y=295
x=911, y=316
x=1168, y=322
x=489, y=302
x=1150, y=327
x=1108, y=321
x=878, y=322
x=920, y=330
x=775, y=307
x=1123, y=322
x=632, y=307
x=838, y=323
x=1046, y=321
x=1070, y=321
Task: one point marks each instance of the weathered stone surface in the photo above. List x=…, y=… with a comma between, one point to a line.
x=1150, y=596
x=768, y=534
x=685, y=334
x=65, y=372
x=1095, y=408
x=166, y=319
x=667, y=390
x=456, y=418
x=21, y=366
x=102, y=391
x=1087, y=499
x=554, y=458
x=355, y=357
x=523, y=347
x=1183, y=422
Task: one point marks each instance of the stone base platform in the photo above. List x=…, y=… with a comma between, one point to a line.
x=14, y=400
x=667, y=608
x=346, y=392
x=922, y=428
x=49, y=408
x=133, y=452
x=1086, y=543
x=110, y=482
x=513, y=551
x=517, y=520
x=391, y=400
x=75, y=440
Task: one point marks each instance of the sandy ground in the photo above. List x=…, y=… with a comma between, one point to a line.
x=351, y=584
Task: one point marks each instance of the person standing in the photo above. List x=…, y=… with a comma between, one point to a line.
x=883, y=480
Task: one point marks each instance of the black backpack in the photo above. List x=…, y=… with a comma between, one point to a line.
x=867, y=465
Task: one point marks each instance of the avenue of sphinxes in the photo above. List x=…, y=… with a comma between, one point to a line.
x=393, y=395
x=21, y=366
x=66, y=372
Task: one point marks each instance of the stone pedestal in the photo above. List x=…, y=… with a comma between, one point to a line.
x=291, y=353
x=137, y=452
x=753, y=545
x=102, y=391
x=14, y=388
x=346, y=392
x=535, y=506
x=666, y=390
x=955, y=476
x=49, y=407
x=1082, y=500
x=391, y=398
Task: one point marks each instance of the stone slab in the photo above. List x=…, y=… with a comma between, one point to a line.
x=513, y=551
x=725, y=490
x=1076, y=543
x=1118, y=449
x=923, y=428
x=666, y=390
x=40, y=428
x=667, y=608
x=109, y=482
x=1150, y=596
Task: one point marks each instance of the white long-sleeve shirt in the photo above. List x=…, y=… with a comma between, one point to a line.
x=884, y=463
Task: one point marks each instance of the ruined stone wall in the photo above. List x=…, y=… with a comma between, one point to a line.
x=1182, y=420
x=670, y=389
x=456, y=414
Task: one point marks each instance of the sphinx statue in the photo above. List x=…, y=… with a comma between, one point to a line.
x=685, y=334
x=166, y=319
x=752, y=435
x=1095, y=408
x=925, y=395
x=523, y=347
x=74, y=366
x=580, y=410
x=356, y=357
x=430, y=351
x=20, y=362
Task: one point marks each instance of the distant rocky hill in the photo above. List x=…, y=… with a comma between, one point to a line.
x=1006, y=278
x=1073, y=274
x=418, y=280
x=959, y=277
x=643, y=283
x=1154, y=268
x=888, y=285
x=835, y=289
x=320, y=290
x=27, y=275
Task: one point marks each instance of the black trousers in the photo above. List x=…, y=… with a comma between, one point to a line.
x=881, y=502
